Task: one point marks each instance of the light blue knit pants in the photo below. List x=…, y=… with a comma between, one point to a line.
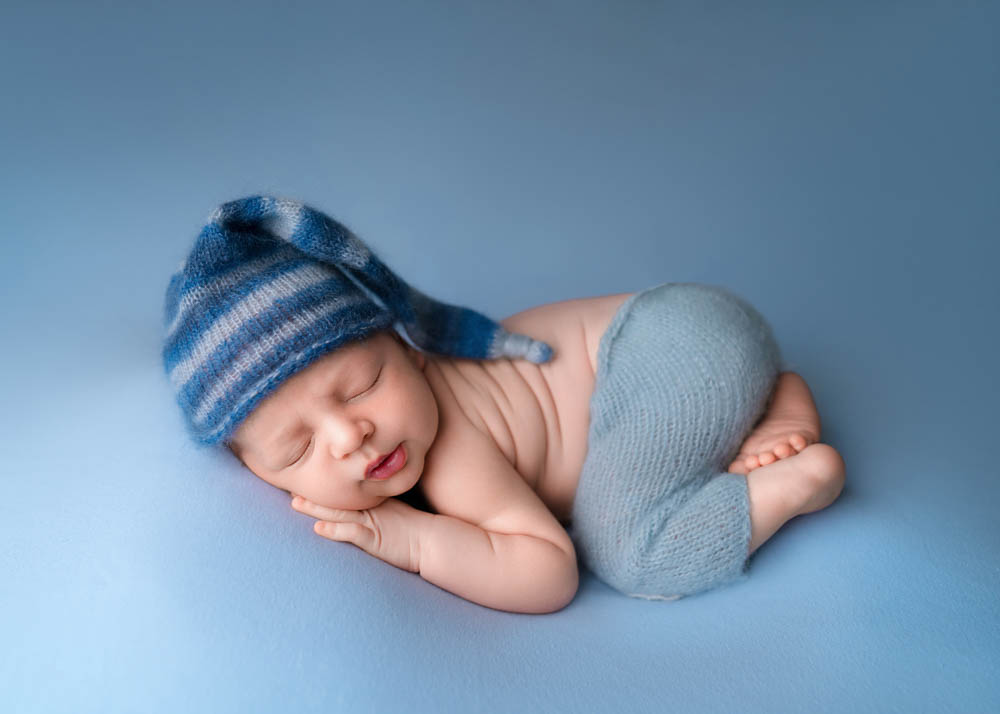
x=684, y=372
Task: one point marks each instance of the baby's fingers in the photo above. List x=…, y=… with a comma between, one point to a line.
x=327, y=514
x=354, y=533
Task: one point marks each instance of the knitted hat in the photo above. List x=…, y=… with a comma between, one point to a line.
x=270, y=286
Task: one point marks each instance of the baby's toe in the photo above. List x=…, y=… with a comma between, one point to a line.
x=798, y=442
x=783, y=451
x=766, y=457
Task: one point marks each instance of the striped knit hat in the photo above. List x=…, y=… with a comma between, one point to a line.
x=270, y=286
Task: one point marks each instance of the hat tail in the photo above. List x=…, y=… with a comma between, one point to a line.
x=431, y=325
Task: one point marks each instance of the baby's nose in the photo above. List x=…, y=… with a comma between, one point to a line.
x=346, y=435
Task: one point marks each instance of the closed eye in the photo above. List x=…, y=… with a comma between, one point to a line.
x=371, y=386
x=298, y=458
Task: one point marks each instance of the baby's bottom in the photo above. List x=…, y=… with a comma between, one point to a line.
x=684, y=372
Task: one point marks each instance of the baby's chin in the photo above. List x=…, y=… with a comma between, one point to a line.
x=366, y=505
x=361, y=504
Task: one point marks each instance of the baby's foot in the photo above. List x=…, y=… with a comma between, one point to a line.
x=789, y=426
x=823, y=471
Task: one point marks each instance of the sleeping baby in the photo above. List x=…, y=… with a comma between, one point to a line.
x=651, y=436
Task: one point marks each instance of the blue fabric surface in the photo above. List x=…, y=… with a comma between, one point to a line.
x=835, y=164
x=684, y=371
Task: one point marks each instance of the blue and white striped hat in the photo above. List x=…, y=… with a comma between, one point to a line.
x=270, y=286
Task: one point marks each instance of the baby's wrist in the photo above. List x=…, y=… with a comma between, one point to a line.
x=420, y=535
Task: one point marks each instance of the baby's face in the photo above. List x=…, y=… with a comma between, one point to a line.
x=319, y=432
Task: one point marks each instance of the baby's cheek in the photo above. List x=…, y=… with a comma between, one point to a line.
x=269, y=477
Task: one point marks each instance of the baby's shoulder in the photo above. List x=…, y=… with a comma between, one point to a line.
x=466, y=475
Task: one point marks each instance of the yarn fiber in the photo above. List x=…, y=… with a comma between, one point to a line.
x=684, y=372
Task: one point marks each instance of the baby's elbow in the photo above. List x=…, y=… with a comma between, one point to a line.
x=562, y=587
x=569, y=591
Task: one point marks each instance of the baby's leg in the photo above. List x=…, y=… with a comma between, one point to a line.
x=702, y=542
x=803, y=483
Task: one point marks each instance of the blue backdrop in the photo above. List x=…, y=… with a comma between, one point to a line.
x=837, y=164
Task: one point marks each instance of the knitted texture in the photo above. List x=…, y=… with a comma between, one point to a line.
x=270, y=286
x=684, y=372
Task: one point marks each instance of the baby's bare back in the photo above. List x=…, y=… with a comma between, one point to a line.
x=537, y=415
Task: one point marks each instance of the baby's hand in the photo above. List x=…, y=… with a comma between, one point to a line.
x=390, y=531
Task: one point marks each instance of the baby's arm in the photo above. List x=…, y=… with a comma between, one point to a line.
x=492, y=566
x=517, y=572
x=492, y=541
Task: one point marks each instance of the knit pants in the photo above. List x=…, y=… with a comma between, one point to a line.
x=684, y=372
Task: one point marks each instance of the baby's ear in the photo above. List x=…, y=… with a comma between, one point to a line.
x=418, y=357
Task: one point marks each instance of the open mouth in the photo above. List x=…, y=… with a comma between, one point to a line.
x=389, y=465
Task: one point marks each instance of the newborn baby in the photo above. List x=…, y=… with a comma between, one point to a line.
x=651, y=435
